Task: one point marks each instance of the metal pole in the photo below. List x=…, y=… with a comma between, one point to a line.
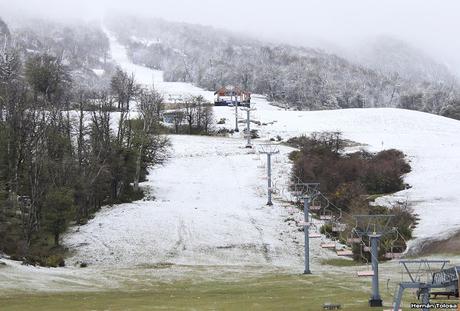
x=236, y=114
x=248, y=126
x=375, y=300
x=306, y=207
x=425, y=295
x=269, y=177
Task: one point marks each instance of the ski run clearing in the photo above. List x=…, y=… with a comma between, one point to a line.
x=206, y=206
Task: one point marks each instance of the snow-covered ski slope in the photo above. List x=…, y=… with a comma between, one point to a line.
x=209, y=209
x=149, y=77
x=431, y=143
x=209, y=206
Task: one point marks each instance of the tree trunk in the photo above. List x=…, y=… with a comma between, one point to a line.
x=56, y=238
x=138, y=170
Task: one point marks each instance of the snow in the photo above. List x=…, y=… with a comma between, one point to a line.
x=99, y=72
x=209, y=209
x=429, y=141
x=206, y=205
x=149, y=77
x=146, y=42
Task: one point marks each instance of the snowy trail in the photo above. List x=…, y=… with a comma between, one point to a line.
x=209, y=209
x=430, y=142
x=149, y=77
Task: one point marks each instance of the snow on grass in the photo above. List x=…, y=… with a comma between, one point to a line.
x=209, y=209
x=429, y=141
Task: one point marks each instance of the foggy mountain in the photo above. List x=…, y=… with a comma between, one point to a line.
x=389, y=55
x=385, y=73
x=388, y=74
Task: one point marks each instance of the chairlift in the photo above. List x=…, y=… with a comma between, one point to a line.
x=338, y=227
x=344, y=252
x=314, y=235
x=366, y=273
x=315, y=208
x=328, y=245
x=393, y=255
x=326, y=215
x=354, y=238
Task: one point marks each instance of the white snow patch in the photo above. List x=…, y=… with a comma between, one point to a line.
x=430, y=142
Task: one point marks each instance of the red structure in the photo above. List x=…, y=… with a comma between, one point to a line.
x=227, y=95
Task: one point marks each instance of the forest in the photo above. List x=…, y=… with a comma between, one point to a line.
x=67, y=150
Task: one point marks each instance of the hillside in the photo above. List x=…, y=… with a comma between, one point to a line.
x=300, y=78
x=228, y=194
x=204, y=215
x=81, y=46
x=376, y=128
x=389, y=55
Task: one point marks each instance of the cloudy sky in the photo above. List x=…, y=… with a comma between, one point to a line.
x=433, y=25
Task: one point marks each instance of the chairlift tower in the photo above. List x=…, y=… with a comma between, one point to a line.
x=308, y=193
x=248, y=125
x=235, y=96
x=436, y=278
x=374, y=227
x=269, y=150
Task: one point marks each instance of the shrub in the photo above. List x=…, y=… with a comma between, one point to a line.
x=55, y=261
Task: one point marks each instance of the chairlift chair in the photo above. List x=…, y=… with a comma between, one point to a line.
x=354, y=238
x=366, y=273
x=344, y=252
x=338, y=227
x=329, y=245
x=393, y=255
x=326, y=215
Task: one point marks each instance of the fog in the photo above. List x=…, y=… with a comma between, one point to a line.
x=428, y=24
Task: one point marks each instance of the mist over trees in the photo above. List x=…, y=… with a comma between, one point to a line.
x=299, y=78
x=82, y=47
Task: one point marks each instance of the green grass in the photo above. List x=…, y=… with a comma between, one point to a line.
x=274, y=292
x=340, y=262
x=264, y=292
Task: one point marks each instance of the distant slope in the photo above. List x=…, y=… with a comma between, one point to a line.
x=390, y=55
x=5, y=35
x=301, y=78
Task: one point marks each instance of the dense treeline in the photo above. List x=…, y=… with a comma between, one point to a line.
x=351, y=181
x=82, y=47
x=299, y=78
x=65, y=153
x=193, y=116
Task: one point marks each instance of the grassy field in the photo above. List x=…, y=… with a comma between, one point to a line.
x=280, y=292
